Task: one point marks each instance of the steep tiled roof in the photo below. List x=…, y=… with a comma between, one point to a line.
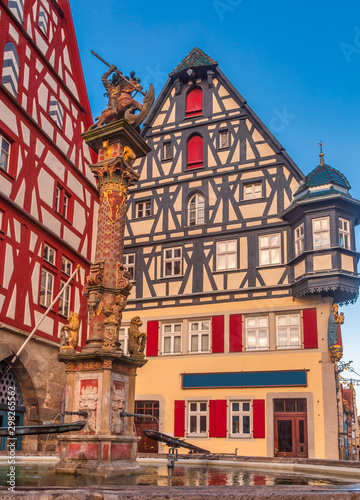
x=324, y=174
x=332, y=181
x=194, y=59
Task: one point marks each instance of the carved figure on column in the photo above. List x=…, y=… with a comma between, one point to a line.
x=137, y=339
x=70, y=333
x=334, y=333
x=88, y=402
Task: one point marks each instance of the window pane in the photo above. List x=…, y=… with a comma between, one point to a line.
x=168, y=269
x=194, y=343
x=235, y=406
x=264, y=257
x=221, y=262
x=246, y=406
x=192, y=423
x=167, y=344
x=262, y=322
x=193, y=406
x=203, y=406
x=251, y=322
x=205, y=326
x=221, y=247
x=235, y=424
x=282, y=320
x=278, y=405
x=203, y=423
x=177, y=252
x=275, y=255
x=194, y=327
x=263, y=338
x=231, y=261
x=264, y=241
x=282, y=337
x=177, y=328
x=290, y=405
x=231, y=246
x=275, y=240
x=251, y=339
x=167, y=328
x=177, y=267
x=294, y=319
x=246, y=424
x=168, y=254
x=205, y=342
x=177, y=344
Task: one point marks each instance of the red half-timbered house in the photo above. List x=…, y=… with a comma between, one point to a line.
x=48, y=202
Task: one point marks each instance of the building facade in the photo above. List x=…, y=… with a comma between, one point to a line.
x=48, y=202
x=236, y=259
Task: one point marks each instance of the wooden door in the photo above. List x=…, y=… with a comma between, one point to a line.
x=147, y=445
x=290, y=428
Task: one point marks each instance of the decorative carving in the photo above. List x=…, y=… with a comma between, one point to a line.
x=122, y=277
x=88, y=402
x=110, y=337
x=334, y=333
x=121, y=103
x=94, y=305
x=96, y=275
x=137, y=339
x=113, y=310
x=70, y=333
x=129, y=155
x=117, y=405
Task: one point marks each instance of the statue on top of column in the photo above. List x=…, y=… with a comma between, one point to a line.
x=119, y=91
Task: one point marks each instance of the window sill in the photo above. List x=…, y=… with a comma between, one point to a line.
x=146, y=217
x=265, y=266
x=199, y=352
x=6, y=175
x=204, y=435
x=172, y=276
x=287, y=348
x=195, y=226
x=170, y=353
x=167, y=159
x=217, y=271
x=249, y=349
x=239, y=436
x=252, y=199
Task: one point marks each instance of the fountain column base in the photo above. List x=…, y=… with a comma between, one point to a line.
x=103, y=385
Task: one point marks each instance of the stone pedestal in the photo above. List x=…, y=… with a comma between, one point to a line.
x=102, y=385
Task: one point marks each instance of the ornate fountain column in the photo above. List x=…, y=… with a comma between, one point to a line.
x=100, y=378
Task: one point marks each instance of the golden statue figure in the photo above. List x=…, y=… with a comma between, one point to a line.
x=70, y=333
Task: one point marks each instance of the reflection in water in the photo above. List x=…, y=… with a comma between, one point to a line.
x=160, y=475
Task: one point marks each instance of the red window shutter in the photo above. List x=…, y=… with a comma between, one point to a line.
x=179, y=418
x=235, y=332
x=195, y=152
x=310, y=329
x=194, y=101
x=217, y=332
x=218, y=418
x=259, y=418
x=152, y=339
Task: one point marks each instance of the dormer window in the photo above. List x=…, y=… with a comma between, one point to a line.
x=194, y=102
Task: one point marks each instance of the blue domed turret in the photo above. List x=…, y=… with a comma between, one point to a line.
x=322, y=181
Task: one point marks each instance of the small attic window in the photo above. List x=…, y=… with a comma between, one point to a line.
x=194, y=102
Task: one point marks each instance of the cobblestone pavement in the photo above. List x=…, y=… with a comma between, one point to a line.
x=188, y=492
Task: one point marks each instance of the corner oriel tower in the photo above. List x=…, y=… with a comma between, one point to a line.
x=100, y=378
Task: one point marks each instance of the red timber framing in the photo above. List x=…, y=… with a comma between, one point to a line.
x=43, y=119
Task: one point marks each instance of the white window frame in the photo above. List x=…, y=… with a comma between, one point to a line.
x=253, y=191
x=197, y=413
x=227, y=252
x=64, y=300
x=130, y=266
x=62, y=201
x=5, y=149
x=344, y=233
x=199, y=334
x=288, y=326
x=172, y=333
x=196, y=210
x=143, y=209
x=172, y=260
x=124, y=339
x=269, y=248
x=241, y=413
x=223, y=134
x=46, y=288
x=66, y=265
x=322, y=230
x=56, y=111
x=167, y=150
x=257, y=329
x=49, y=254
x=299, y=239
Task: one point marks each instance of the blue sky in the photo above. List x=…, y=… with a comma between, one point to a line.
x=299, y=61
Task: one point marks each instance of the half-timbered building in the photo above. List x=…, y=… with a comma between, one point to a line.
x=236, y=259
x=48, y=202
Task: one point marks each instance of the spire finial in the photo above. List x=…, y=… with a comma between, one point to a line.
x=320, y=145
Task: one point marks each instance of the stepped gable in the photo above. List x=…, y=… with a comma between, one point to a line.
x=194, y=59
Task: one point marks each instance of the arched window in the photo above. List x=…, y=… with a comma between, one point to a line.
x=10, y=72
x=196, y=210
x=194, y=102
x=195, y=152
